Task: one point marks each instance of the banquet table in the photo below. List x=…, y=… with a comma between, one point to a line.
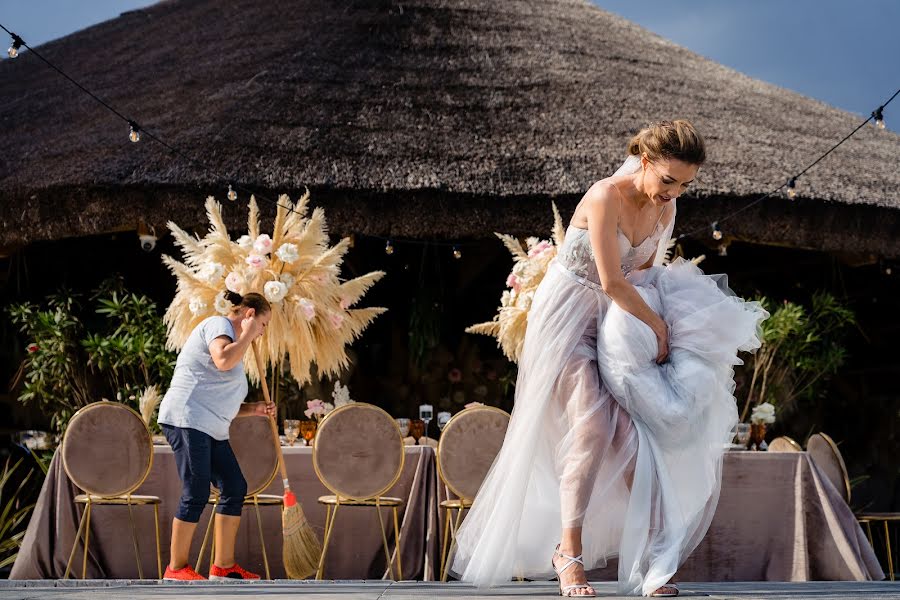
x=778, y=519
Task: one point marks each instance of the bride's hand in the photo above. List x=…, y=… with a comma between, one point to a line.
x=662, y=343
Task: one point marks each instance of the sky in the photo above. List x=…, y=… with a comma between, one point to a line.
x=843, y=52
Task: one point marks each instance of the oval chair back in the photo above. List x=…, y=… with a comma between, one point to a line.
x=828, y=458
x=107, y=449
x=784, y=444
x=358, y=453
x=468, y=446
x=251, y=439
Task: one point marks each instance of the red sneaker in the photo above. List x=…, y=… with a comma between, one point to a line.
x=185, y=573
x=217, y=573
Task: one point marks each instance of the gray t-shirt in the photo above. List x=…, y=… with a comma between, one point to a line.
x=201, y=396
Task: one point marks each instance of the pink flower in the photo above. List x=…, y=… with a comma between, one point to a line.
x=308, y=308
x=455, y=375
x=256, y=262
x=263, y=244
x=513, y=282
x=32, y=348
x=539, y=248
x=314, y=407
x=234, y=283
x=336, y=319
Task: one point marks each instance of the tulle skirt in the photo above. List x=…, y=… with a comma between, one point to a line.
x=603, y=438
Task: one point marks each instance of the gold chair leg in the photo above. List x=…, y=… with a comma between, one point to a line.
x=87, y=539
x=456, y=524
x=387, y=552
x=869, y=534
x=78, y=538
x=206, y=538
x=262, y=541
x=445, y=546
x=887, y=544
x=134, y=540
x=397, y=544
x=330, y=517
x=158, y=551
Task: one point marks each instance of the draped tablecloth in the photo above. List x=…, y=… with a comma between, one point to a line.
x=778, y=519
x=356, y=550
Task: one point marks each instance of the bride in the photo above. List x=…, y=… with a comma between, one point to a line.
x=624, y=395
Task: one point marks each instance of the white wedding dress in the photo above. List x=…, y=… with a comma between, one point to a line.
x=601, y=436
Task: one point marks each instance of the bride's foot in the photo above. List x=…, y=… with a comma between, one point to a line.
x=570, y=572
x=669, y=590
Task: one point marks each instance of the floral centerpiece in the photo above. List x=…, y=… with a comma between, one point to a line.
x=763, y=414
x=316, y=409
x=294, y=268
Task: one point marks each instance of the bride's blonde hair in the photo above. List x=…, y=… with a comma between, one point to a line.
x=669, y=139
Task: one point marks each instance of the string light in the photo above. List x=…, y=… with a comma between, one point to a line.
x=792, y=188
x=135, y=136
x=878, y=114
x=723, y=249
x=16, y=44
x=389, y=248
x=457, y=253
x=232, y=195
x=134, y=132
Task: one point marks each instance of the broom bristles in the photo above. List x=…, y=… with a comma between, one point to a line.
x=302, y=549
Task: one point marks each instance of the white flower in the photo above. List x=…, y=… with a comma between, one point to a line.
x=256, y=262
x=308, y=308
x=211, y=272
x=341, y=394
x=197, y=306
x=527, y=297
x=275, y=291
x=287, y=253
x=506, y=298
x=287, y=279
x=235, y=283
x=245, y=242
x=263, y=244
x=222, y=305
x=763, y=413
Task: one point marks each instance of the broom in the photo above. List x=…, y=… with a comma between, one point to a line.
x=302, y=549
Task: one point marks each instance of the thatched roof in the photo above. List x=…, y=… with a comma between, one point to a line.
x=420, y=118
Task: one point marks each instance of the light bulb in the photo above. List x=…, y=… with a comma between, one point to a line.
x=878, y=113
x=389, y=248
x=792, y=189
x=457, y=254
x=232, y=195
x=723, y=249
x=717, y=233
x=134, y=132
x=16, y=44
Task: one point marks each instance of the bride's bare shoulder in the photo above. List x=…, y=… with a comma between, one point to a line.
x=603, y=192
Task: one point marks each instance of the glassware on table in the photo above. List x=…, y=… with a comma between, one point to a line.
x=403, y=424
x=742, y=432
x=426, y=413
x=417, y=429
x=308, y=431
x=442, y=419
x=291, y=430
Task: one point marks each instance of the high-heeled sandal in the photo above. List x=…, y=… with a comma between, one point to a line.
x=660, y=594
x=567, y=591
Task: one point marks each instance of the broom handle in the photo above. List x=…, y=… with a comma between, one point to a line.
x=265, y=389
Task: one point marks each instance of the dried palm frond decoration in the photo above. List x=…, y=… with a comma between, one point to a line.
x=148, y=403
x=531, y=263
x=295, y=269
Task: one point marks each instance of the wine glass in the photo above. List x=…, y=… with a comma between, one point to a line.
x=308, y=431
x=743, y=433
x=291, y=430
x=416, y=429
x=443, y=418
x=426, y=412
x=403, y=424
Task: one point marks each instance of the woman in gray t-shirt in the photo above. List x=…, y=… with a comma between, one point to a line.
x=208, y=391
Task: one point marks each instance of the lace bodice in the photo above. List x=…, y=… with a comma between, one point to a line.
x=577, y=256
